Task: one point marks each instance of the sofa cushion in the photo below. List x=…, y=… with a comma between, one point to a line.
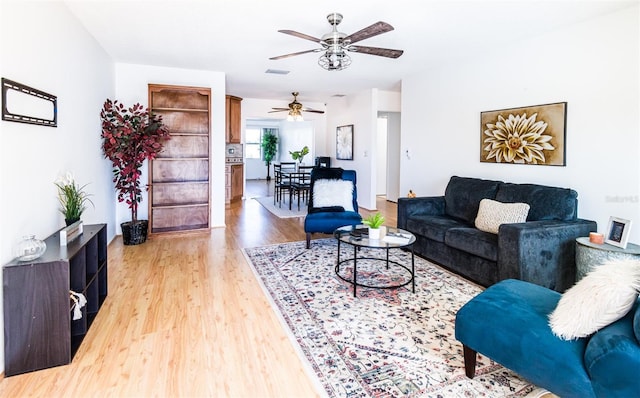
x=432, y=227
x=463, y=195
x=606, y=294
x=473, y=241
x=547, y=203
x=492, y=214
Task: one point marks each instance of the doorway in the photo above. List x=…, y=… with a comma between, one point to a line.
x=388, y=156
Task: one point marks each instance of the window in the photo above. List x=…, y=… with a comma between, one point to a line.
x=253, y=141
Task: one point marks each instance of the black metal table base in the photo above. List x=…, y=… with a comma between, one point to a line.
x=386, y=260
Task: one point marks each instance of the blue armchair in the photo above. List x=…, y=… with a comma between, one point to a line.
x=509, y=323
x=332, y=203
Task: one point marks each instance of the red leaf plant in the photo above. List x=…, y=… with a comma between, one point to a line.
x=129, y=137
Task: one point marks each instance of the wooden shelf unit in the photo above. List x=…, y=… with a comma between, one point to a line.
x=39, y=330
x=179, y=190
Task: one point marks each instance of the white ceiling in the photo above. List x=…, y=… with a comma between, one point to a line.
x=238, y=37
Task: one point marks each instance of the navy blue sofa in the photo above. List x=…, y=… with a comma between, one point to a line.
x=508, y=323
x=540, y=250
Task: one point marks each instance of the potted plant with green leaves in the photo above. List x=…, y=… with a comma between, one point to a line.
x=72, y=197
x=374, y=222
x=129, y=137
x=269, y=149
x=299, y=155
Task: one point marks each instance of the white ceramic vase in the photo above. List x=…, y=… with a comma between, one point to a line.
x=374, y=233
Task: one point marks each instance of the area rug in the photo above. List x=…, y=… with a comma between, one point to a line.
x=384, y=342
x=283, y=211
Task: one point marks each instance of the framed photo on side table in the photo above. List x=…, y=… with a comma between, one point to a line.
x=618, y=232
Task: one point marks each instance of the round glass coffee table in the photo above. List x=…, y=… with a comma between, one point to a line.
x=394, y=238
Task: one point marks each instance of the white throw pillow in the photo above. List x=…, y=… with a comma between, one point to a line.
x=603, y=296
x=491, y=214
x=328, y=193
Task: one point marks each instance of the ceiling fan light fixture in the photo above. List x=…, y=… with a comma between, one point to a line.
x=334, y=60
x=295, y=116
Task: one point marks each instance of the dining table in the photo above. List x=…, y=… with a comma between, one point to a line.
x=296, y=180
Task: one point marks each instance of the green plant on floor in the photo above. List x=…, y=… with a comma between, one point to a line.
x=269, y=148
x=374, y=221
x=298, y=155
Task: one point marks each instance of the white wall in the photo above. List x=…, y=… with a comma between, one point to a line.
x=361, y=110
x=45, y=47
x=132, y=86
x=594, y=66
x=389, y=101
x=381, y=164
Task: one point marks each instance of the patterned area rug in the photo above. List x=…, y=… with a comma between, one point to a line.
x=283, y=211
x=384, y=342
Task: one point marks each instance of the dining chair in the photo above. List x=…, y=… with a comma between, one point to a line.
x=285, y=186
x=289, y=166
x=285, y=180
x=302, y=185
x=276, y=182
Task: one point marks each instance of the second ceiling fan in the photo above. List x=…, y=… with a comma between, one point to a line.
x=334, y=44
x=295, y=108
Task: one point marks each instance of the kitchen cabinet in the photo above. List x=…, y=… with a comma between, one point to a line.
x=233, y=121
x=234, y=182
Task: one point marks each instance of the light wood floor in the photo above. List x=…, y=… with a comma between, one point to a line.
x=185, y=317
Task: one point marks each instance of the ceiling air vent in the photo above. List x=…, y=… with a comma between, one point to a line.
x=277, y=71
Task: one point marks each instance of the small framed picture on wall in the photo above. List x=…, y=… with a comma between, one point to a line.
x=618, y=232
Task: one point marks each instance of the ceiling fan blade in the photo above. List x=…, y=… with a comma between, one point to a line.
x=311, y=110
x=294, y=54
x=383, y=52
x=278, y=110
x=370, y=31
x=300, y=35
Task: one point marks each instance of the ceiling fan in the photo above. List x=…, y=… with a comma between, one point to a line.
x=334, y=44
x=295, y=108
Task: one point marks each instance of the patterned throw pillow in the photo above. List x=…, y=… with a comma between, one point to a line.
x=492, y=214
x=605, y=295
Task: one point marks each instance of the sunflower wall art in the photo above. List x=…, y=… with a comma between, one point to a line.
x=527, y=135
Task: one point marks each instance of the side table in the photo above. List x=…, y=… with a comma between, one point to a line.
x=589, y=255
